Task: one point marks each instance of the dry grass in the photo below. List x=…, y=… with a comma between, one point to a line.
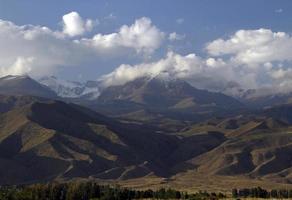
x=195, y=182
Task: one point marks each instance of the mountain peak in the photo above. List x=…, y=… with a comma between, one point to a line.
x=24, y=85
x=157, y=91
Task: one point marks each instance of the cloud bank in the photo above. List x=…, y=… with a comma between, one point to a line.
x=200, y=72
x=254, y=46
x=34, y=50
x=247, y=59
x=261, y=54
x=38, y=50
x=141, y=36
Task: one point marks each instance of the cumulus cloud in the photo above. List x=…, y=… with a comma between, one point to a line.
x=249, y=59
x=19, y=67
x=262, y=55
x=38, y=50
x=172, y=64
x=74, y=25
x=141, y=36
x=201, y=73
x=34, y=49
x=254, y=46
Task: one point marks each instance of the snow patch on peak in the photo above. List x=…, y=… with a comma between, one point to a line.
x=71, y=89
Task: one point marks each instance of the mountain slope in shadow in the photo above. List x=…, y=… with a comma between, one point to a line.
x=44, y=140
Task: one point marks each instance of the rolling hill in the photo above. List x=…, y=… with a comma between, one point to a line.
x=166, y=133
x=44, y=140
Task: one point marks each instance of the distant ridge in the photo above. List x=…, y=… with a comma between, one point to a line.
x=155, y=99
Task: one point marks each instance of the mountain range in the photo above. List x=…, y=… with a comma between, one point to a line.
x=147, y=133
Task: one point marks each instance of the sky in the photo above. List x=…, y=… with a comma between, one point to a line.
x=215, y=45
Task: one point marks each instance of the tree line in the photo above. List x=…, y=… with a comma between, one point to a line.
x=93, y=191
x=259, y=192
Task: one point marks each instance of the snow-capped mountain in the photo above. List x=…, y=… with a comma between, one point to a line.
x=166, y=93
x=71, y=89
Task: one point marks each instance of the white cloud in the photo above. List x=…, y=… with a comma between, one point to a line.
x=19, y=67
x=207, y=74
x=254, y=46
x=214, y=74
x=248, y=59
x=74, y=25
x=41, y=51
x=173, y=64
x=175, y=36
x=279, y=10
x=141, y=36
x=261, y=55
x=34, y=49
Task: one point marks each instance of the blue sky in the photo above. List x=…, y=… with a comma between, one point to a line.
x=194, y=25
x=204, y=20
